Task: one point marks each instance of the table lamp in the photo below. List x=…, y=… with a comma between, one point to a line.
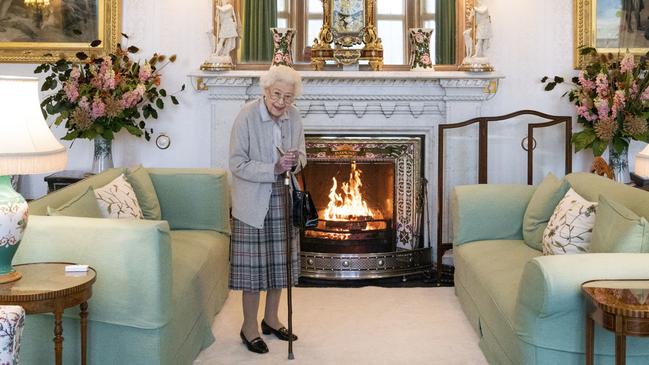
x=27, y=146
x=641, y=174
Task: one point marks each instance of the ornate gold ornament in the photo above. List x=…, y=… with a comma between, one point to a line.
x=345, y=24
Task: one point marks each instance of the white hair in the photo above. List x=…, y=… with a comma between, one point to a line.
x=284, y=74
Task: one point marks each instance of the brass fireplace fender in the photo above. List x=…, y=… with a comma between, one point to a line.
x=365, y=266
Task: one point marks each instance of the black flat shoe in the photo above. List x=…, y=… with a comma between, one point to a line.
x=256, y=345
x=281, y=333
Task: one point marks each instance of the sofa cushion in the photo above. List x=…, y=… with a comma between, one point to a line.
x=490, y=272
x=546, y=197
x=84, y=205
x=618, y=229
x=118, y=200
x=570, y=228
x=590, y=186
x=202, y=203
x=140, y=180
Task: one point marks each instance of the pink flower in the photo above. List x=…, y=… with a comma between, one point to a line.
x=419, y=37
x=602, y=108
x=145, y=72
x=75, y=73
x=583, y=111
x=627, y=63
x=98, y=109
x=279, y=56
x=601, y=83
x=104, y=79
x=287, y=59
x=71, y=91
x=425, y=59
x=645, y=95
x=586, y=85
x=633, y=92
x=84, y=104
x=131, y=98
x=619, y=101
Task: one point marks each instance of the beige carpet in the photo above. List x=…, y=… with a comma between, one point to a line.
x=358, y=326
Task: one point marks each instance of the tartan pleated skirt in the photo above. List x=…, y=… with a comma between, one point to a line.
x=258, y=256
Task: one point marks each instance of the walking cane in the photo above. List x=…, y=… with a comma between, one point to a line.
x=289, y=255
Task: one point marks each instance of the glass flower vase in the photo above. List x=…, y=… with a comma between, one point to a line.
x=619, y=163
x=103, y=155
x=282, y=46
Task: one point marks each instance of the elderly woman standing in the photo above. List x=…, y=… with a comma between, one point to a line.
x=263, y=128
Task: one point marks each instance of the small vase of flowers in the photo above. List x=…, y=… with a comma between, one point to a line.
x=97, y=97
x=611, y=96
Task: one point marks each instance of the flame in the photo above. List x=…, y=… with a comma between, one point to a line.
x=349, y=205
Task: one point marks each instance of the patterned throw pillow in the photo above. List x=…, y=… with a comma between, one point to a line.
x=117, y=200
x=570, y=228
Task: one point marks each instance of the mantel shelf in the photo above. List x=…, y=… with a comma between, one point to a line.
x=399, y=75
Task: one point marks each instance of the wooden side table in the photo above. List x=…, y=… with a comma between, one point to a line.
x=62, y=179
x=620, y=306
x=47, y=288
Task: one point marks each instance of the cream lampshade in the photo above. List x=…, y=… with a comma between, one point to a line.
x=642, y=163
x=27, y=146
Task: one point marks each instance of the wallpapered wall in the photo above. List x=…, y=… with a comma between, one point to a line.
x=531, y=38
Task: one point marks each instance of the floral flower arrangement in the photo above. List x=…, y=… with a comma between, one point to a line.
x=100, y=96
x=611, y=95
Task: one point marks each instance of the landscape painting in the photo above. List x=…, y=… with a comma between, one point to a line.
x=36, y=30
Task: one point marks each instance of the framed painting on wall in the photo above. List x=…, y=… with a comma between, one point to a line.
x=611, y=26
x=36, y=31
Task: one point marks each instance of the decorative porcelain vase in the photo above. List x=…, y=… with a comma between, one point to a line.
x=103, y=155
x=13, y=220
x=282, y=46
x=420, y=49
x=619, y=163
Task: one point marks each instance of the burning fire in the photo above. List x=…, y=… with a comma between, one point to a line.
x=349, y=205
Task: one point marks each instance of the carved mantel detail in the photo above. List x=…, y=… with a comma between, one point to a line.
x=415, y=94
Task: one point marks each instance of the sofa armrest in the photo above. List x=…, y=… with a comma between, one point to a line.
x=132, y=259
x=550, y=295
x=552, y=284
x=488, y=212
x=192, y=198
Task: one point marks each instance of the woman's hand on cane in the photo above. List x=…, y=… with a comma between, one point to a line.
x=286, y=162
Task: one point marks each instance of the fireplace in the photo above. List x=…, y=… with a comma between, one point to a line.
x=364, y=103
x=368, y=192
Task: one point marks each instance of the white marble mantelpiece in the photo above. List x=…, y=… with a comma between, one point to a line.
x=358, y=103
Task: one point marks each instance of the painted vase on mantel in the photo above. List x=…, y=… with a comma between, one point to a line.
x=619, y=163
x=103, y=155
x=420, y=49
x=282, y=46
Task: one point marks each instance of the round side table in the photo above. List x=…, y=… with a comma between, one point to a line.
x=620, y=306
x=47, y=288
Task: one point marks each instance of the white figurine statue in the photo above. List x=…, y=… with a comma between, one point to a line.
x=475, y=59
x=483, y=28
x=226, y=37
x=468, y=43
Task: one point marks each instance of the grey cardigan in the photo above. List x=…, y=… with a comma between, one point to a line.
x=252, y=153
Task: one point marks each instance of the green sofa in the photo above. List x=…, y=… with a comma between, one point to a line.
x=159, y=283
x=528, y=308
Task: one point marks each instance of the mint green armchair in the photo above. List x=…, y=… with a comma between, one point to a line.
x=159, y=283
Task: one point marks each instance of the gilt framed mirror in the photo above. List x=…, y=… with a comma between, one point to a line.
x=393, y=18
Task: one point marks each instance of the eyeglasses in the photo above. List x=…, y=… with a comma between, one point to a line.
x=277, y=96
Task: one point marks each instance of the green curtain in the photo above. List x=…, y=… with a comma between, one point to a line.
x=258, y=17
x=445, y=32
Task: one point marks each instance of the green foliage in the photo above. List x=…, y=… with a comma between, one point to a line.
x=100, y=96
